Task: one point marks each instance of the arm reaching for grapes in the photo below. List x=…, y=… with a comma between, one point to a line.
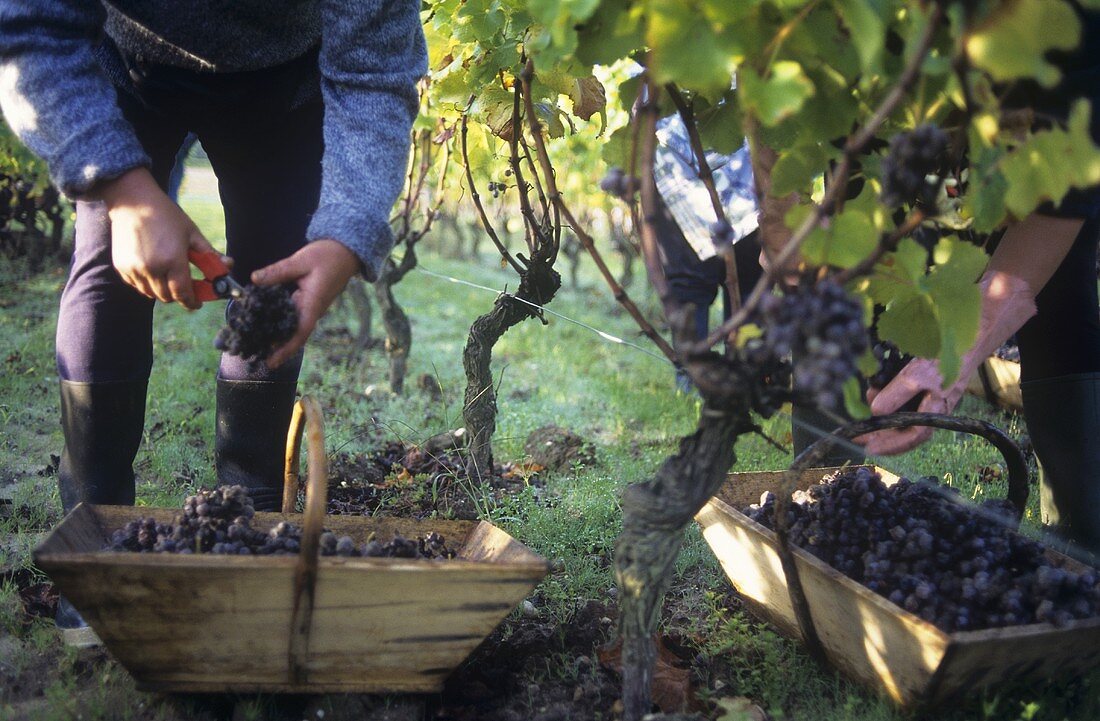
x=1026, y=258
x=321, y=270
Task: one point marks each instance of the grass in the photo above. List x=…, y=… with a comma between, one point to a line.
x=620, y=398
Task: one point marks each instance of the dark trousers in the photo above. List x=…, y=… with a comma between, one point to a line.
x=262, y=131
x=699, y=282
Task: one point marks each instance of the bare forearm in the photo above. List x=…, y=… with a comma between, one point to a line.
x=1025, y=260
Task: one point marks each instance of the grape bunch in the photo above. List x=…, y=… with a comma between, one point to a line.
x=821, y=327
x=258, y=322
x=496, y=188
x=721, y=232
x=617, y=183
x=220, y=522
x=961, y=568
x=913, y=158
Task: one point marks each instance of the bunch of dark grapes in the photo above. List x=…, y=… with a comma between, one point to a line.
x=496, y=188
x=721, y=232
x=890, y=362
x=258, y=322
x=220, y=521
x=821, y=326
x=618, y=184
x=1009, y=351
x=959, y=567
x=912, y=159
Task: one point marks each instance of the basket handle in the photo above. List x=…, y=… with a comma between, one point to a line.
x=816, y=453
x=307, y=416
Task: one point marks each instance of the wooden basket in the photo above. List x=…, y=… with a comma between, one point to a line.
x=863, y=634
x=294, y=624
x=998, y=381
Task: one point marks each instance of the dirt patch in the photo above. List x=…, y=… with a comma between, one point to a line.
x=558, y=449
x=536, y=669
x=420, y=481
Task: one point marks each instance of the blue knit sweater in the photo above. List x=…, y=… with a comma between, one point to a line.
x=57, y=99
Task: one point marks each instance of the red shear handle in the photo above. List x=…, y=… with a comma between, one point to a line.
x=212, y=266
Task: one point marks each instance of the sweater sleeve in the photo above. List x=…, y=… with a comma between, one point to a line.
x=373, y=53
x=55, y=97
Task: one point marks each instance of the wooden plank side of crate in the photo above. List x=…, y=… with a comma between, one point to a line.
x=423, y=621
x=226, y=621
x=862, y=632
x=1004, y=383
x=1038, y=651
x=208, y=623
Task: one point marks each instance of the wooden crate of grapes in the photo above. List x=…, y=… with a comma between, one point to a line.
x=998, y=381
x=294, y=623
x=872, y=639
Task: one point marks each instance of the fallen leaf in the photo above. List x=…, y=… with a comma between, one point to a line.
x=671, y=689
x=402, y=477
x=522, y=469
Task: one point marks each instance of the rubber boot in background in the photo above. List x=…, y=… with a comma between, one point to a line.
x=1063, y=420
x=102, y=424
x=250, y=437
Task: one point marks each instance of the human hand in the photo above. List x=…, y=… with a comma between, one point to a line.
x=919, y=378
x=321, y=270
x=150, y=237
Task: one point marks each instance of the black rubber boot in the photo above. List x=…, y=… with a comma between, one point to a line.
x=1063, y=420
x=102, y=424
x=250, y=437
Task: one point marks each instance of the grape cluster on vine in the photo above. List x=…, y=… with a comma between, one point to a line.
x=220, y=522
x=258, y=322
x=618, y=184
x=496, y=188
x=958, y=567
x=721, y=232
x=913, y=167
x=821, y=327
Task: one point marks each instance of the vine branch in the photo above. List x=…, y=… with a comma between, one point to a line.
x=585, y=238
x=485, y=222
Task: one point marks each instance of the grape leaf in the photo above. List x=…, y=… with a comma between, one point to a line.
x=611, y=33
x=686, y=50
x=1052, y=162
x=777, y=96
x=909, y=322
x=589, y=97
x=854, y=401
x=953, y=287
x=867, y=24
x=1013, y=40
x=796, y=168
x=720, y=125
x=850, y=238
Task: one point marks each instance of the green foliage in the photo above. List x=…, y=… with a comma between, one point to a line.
x=809, y=74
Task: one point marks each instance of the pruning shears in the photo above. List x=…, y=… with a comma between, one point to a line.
x=216, y=282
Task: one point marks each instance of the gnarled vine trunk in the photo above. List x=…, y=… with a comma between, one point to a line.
x=655, y=514
x=538, y=284
x=398, y=330
x=364, y=313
